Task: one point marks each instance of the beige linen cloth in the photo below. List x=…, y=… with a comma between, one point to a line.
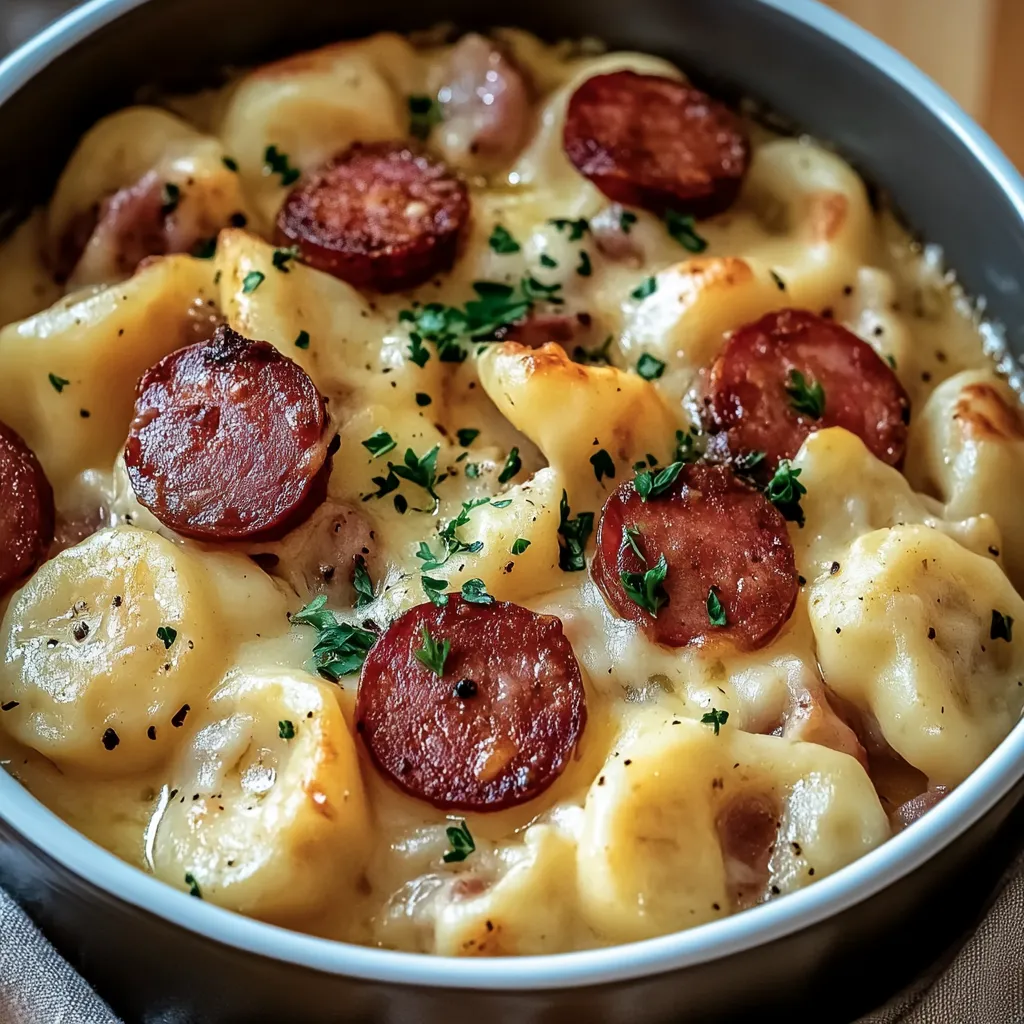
x=983, y=985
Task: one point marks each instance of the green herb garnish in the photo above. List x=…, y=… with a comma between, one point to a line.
x=573, y=535
x=193, y=886
x=1002, y=626
x=379, y=443
x=649, y=367
x=461, y=843
x=715, y=718
x=502, y=242
x=362, y=583
x=424, y=113
x=603, y=465
x=649, y=484
x=594, y=356
x=645, y=588
x=302, y=341
x=282, y=257
x=276, y=162
x=784, y=492
x=632, y=535
x=512, y=466
x=648, y=286
x=59, y=383
x=805, y=397
x=466, y=436
x=167, y=635
x=475, y=592
x=519, y=545
x=716, y=613
x=681, y=227
x=252, y=281
x=340, y=648
x=432, y=654
x=286, y=730
x=584, y=269
x=436, y=590
x=576, y=228
x=626, y=221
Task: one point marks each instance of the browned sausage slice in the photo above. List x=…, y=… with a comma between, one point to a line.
x=714, y=531
x=495, y=728
x=229, y=441
x=755, y=394
x=380, y=216
x=657, y=143
x=26, y=510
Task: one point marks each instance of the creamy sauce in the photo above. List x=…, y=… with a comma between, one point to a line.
x=599, y=858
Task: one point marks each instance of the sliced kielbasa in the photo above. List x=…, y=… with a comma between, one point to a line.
x=26, y=510
x=716, y=534
x=657, y=143
x=499, y=723
x=793, y=372
x=229, y=441
x=381, y=216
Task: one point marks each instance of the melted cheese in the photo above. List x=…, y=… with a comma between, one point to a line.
x=629, y=841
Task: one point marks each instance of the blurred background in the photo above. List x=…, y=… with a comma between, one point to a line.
x=971, y=47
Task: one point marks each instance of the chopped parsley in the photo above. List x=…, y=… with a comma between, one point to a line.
x=584, y=269
x=575, y=228
x=252, y=281
x=432, y=654
x=715, y=718
x=449, y=538
x=649, y=484
x=230, y=163
x=594, y=356
x=603, y=465
x=418, y=470
x=467, y=435
x=632, y=535
x=59, y=383
x=626, y=221
x=681, y=227
x=276, y=162
x=362, y=583
x=779, y=283
x=475, y=592
x=891, y=360
x=495, y=306
x=1002, y=626
x=645, y=588
x=282, y=257
x=424, y=113
x=193, y=885
x=340, y=648
x=170, y=196
x=784, y=492
x=423, y=399
x=548, y=261
x=716, y=613
x=648, y=286
x=519, y=545
x=573, y=535
x=461, y=842
x=747, y=462
x=286, y=730
x=436, y=591
x=167, y=635
x=418, y=352
x=302, y=341
x=379, y=443
x=502, y=242
x=649, y=367
x=512, y=466
x=205, y=248
x=805, y=397
x=472, y=470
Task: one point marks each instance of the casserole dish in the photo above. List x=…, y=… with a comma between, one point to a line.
x=711, y=959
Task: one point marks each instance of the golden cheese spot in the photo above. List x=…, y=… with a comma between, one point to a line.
x=984, y=415
x=827, y=215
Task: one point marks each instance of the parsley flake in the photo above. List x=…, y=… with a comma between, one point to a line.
x=252, y=281
x=649, y=484
x=576, y=228
x=205, y=248
x=421, y=471
x=276, y=162
x=193, y=886
x=167, y=635
x=1002, y=626
x=716, y=613
x=502, y=242
x=584, y=269
x=230, y=163
x=379, y=443
x=520, y=545
x=432, y=654
x=681, y=227
x=475, y=592
x=649, y=367
x=573, y=535
x=632, y=535
x=467, y=435
x=594, y=356
x=461, y=842
x=548, y=261
x=286, y=730
x=450, y=540
x=418, y=352
x=170, y=196
x=59, y=383
x=804, y=397
x=282, y=257
x=645, y=588
x=436, y=590
x=424, y=113
x=784, y=492
x=648, y=286
x=603, y=465
x=423, y=399
x=340, y=648
x=746, y=463
x=512, y=466
x=779, y=283
x=302, y=341
x=715, y=718
x=361, y=583
x=626, y=221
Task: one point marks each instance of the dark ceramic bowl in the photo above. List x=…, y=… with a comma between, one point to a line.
x=824, y=954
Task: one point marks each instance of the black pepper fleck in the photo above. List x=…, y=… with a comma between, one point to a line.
x=179, y=718
x=111, y=739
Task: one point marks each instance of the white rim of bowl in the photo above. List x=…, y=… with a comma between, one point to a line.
x=862, y=879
